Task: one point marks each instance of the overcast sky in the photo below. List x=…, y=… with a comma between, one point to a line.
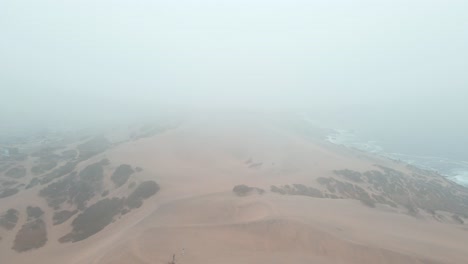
x=66, y=58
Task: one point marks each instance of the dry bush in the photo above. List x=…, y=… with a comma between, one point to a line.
x=297, y=189
x=242, y=190
x=94, y=219
x=31, y=235
x=9, y=219
x=43, y=166
x=93, y=147
x=16, y=172
x=143, y=191
x=34, y=212
x=62, y=216
x=121, y=175
x=458, y=219
x=8, y=192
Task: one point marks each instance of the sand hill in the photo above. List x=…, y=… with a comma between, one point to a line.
x=217, y=189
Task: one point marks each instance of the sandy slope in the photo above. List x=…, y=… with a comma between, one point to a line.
x=198, y=218
x=253, y=231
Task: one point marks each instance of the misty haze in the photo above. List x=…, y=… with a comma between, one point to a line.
x=233, y=131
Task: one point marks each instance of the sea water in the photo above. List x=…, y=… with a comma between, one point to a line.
x=454, y=169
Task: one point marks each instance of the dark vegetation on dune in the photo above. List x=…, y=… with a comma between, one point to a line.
x=31, y=235
x=344, y=189
x=243, y=190
x=46, y=153
x=4, y=165
x=5, y=184
x=390, y=187
x=297, y=189
x=62, y=216
x=16, y=172
x=75, y=189
x=17, y=156
x=9, y=219
x=92, y=147
x=458, y=219
x=59, y=172
x=65, y=187
x=69, y=154
x=34, y=212
x=8, y=183
x=43, y=166
x=148, y=130
x=94, y=219
x=58, y=192
x=8, y=192
x=33, y=182
x=143, y=191
x=395, y=188
x=93, y=174
x=47, y=160
x=253, y=165
x=121, y=175
x=97, y=216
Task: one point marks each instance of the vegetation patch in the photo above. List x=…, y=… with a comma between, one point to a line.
x=75, y=189
x=93, y=174
x=458, y=219
x=428, y=191
x=32, y=183
x=34, y=212
x=9, y=219
x=58, y=192
x=297, y=189
x=46, y=153
x=93, y=147
x=243, y=190
x=61, y=171
x=16, y=172
x=4, y=166
x=8, y=183
x=69, y=154
x=8, y=192
x=95, y=218
x=121, y=175
x=350, y=175
x=62, y=216
x=149, y=130
x=143, y=191
x=43, y=166
x=32, y=235
x=255, y=165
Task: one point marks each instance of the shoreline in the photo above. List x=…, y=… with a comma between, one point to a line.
x=454, y=170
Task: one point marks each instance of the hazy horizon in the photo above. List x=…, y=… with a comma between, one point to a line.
x=233, y=131
x=389, y=66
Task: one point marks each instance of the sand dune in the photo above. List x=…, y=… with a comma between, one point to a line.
x=196, y=216
x=256, y=234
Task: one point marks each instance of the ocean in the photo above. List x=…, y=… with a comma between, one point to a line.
x=436, y=142
x=455, y=170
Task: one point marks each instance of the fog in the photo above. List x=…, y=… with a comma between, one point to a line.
x=294, y=131
x=81, y=60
